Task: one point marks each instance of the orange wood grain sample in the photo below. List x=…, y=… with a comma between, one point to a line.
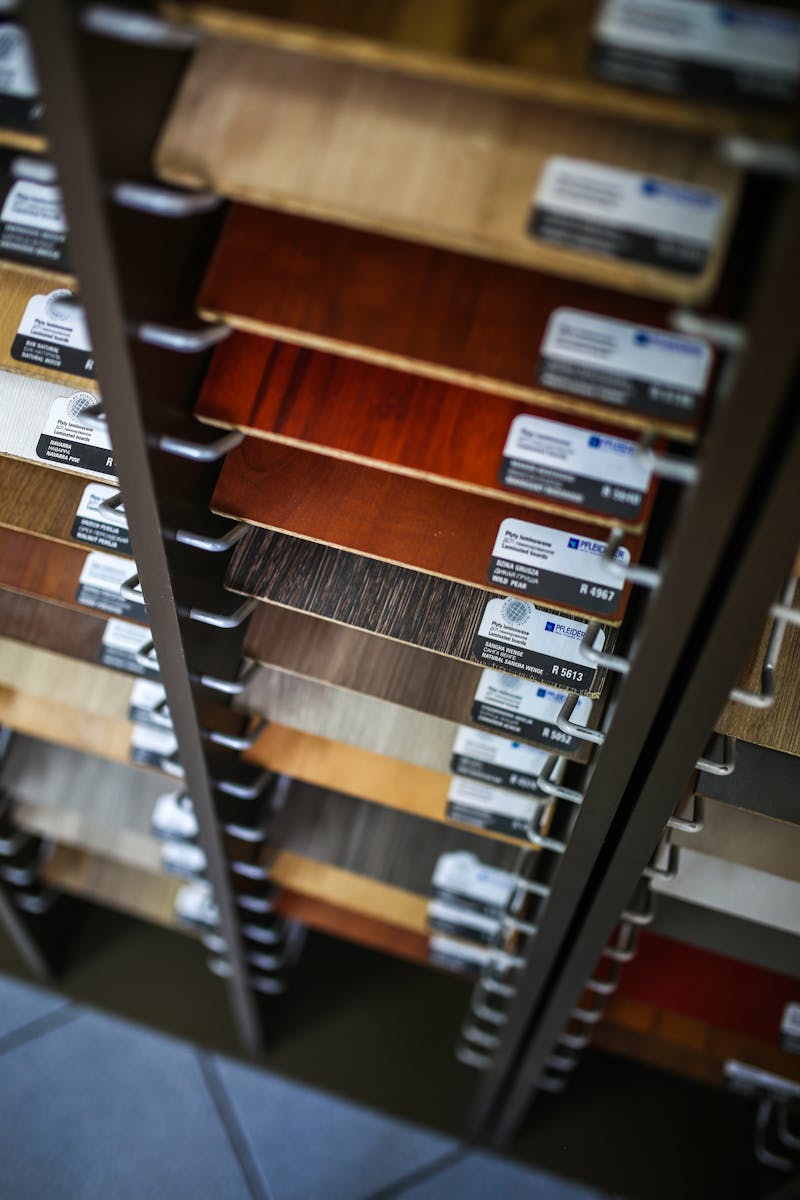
x=35, y=499
x=434, y=312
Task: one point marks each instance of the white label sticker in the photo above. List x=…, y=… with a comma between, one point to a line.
x=497, y=761
x=463, y=922
x=122, y=645
x=623, y=214
x=525, y=709
x=579, y=467
x=790, y=1025
x=152, y=746
x=53, y=334
x=17, y=76
x=33, y=228
x=465, y=956
x=183, y=859
x=195, y=905
x=100, y=581
x=461, y=874
x=515, y=636
x=89, y=526
x=715, y=51
x=498, y=809
x=555, y=566
x=173, y=816
x=69, y=441
x=147, y=704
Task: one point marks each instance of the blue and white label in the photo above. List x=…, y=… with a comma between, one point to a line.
x=622, y=214
x=515, y=636
x=625, y=365
x=510, y=705
x=556, y=567
x=461, y=877
x=497, y=761
x=499, y=810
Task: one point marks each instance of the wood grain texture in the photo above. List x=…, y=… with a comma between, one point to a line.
x=17, y=139
x=37, y=499
x=364, y=413
x=448, y=316
x=25, y=402
x=67, y=725
x=143, y=894
x=62, y=680
x=777, y=727
x=389, y=601
x=326, y=916
x=17, y=288
x=746, y=838
x=405, y=522
x=46, y=570
x=448, y=164
x=39, y=623
x=539, y=48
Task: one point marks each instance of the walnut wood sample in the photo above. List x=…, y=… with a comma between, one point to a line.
x=368, y=414
x=17, y=289
x=539, y=49
x=144, y=894
x=448, y=316
x=776, y=727
x=79, y=633
x=38, y=500
x=405, y=522
x=47, y=571
x=389, y=601
x=448, y=164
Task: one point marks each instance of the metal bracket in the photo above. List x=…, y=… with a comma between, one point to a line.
x=471, y=1058
x=761, y=158
x=551, y=1083
x=487, y=1041
x=546, y=785
x=665, y=466
x=694, y=823
x=597, y=658
x=726, y=335
x=183, y=341
x=766, y=697
x=126, y=25
x=200, y=541
x=766, y=1107
x=231, y=741
x=574, y=1041
x=647, y=577
x=786, y=1136
x=646, y=917
x=728, y=764
x=224, y=620
x=230, y=687
x=35, y=170
x=202, y=452
x=669, y=870
x=624, y=946
x=147, y=657
x=112, y=511
x=161, y=201
x=566, y=725
x=131, y=589
x=563, y=1063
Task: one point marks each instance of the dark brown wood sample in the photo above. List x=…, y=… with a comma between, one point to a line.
x=48, y=571
x=389, y=601
x=408, y=522
x=35, y=499
x=62, y=630
x=365, y=413
x=776, y=727
x=434, y=312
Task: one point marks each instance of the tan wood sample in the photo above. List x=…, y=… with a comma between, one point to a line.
x=38, y=500
x=448, y=164
x=540, y=49
x=66, y=725
x=746, y=838
x=776, y=727
x=144, y=894
x=27, y=354
x=64, y=681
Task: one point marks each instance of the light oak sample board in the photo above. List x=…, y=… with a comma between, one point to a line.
x=454, y=166
x=457, y=536
x=540, y=49
x=41, y=333
x=776, y=727
x=40, y=422
x=59, y=506
x=101, y=880
x=62, y=680
x=447, y=316
x=403, y=605
x=746, y=838
x=425, y=428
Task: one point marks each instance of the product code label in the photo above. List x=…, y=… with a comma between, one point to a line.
x=173, y=817
x=67, y=440
x=720, y=52
x=578, y=467
x=500, y=810
x=527, y=710
x=147, y=704
x=621, y=214
x=516, y=636
x=89, y=527
x=497, y=761
x=33, y=228
x=195, y=906
x=462, y=922
x=53, y=334
x=123, y=647
x=20, y=106
x=625, y=365
x=183, y=859
x=462, y=878
x=467, y=958
x=100, y=582
x=151, y=746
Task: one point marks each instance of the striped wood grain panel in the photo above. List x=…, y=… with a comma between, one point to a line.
x=404, y=522
x=541, y=48
x=777, y=727
x=385, y=600
x=368, y=414
x=17, y=287
x=448, y=316
x=144, y=894
x=425, y=159
x=37, y=499
x=25, y=402
x=46, y=571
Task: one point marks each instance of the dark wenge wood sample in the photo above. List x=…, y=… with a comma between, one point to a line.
x=426, y=428
x=417, y=524
x=382, y=599
x=434, y=312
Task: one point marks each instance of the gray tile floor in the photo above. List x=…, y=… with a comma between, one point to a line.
x=95, y=1108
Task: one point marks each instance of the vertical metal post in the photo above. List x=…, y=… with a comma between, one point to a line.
x=54, y=36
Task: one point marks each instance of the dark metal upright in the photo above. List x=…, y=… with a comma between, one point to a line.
x=54, y=37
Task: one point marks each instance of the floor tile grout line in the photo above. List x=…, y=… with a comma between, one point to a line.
x=237, y=1135
x=39, y=1026
x=402, y=1185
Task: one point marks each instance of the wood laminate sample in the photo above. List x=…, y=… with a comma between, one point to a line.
x=144, y=894
x=416, y=524
x=62, y=680
x=428, y=429
x=438, y=162
x=746, y=838
x=776, y=727
x=107, y=737
x=36, y=499
x=39, y=623
x=433, y=312
x=25, y=406
x=40, y=350
x=46, y=571
x=386, y=600
x=541, y=48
